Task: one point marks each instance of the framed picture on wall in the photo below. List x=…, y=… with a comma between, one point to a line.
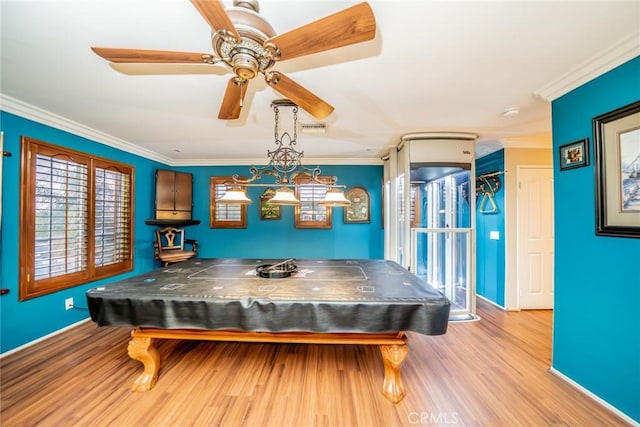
x=617, y=167
x=268, y=210
x=360, y=209
x=574, y=155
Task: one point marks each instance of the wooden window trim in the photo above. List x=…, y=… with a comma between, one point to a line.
x=213, y=222
x=301, y=223
x=29, y=287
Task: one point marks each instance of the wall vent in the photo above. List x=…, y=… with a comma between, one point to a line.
x=313, y=127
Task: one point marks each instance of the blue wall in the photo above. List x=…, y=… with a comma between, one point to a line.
x=23, y=322
x=596, y=336
x=279, y=238
x=490, y=254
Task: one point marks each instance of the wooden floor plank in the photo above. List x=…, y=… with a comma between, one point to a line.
x=493, y=372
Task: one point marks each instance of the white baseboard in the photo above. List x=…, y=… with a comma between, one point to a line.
x=29, y=344
x=598, y=399
x=491, y=302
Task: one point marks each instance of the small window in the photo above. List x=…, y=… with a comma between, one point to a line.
x=76, y=218
x=225, y=215
x=310, y=214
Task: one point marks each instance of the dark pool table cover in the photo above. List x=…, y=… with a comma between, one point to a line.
x=361, y=296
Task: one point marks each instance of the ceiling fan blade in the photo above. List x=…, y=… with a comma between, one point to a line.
x=150, y=56
x=213, y=12
x=299, y=95
x=233, y=98
x=352, y=25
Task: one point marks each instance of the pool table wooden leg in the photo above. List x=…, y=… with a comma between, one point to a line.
x=142, y=350
x=393, y=356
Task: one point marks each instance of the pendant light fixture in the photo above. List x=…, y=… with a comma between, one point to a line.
x=285, y=165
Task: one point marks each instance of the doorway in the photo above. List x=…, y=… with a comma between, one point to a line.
x=535, y=237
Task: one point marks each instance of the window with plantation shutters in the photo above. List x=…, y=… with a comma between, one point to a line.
x=225, y=215
x=76, y=220
x=310, y=214
x=60, y=227
x=112, y=216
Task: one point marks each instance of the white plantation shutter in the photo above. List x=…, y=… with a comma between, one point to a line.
x=309, y=196
x=310, y=214
x=225, y=215
x=226, y=211
x=60, y=240
x=112, y=217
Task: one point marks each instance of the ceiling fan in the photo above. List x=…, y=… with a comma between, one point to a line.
x=244, y=41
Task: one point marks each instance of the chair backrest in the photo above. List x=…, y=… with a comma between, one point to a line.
x=170, y=238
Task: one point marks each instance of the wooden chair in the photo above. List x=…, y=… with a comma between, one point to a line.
x=169, y=246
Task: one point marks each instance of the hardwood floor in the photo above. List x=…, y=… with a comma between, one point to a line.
x=493, y=372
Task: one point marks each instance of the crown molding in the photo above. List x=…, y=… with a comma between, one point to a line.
x=621, y=52
x=28, y=111
x=308, y=161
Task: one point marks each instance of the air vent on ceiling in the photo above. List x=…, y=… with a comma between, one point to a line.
x=313, y=127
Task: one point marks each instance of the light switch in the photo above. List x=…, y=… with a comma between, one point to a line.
x=494, y=235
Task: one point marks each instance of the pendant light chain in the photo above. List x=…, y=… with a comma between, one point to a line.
x=276, y=135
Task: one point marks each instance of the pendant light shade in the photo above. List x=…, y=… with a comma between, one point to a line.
x=334, y=197
x=235, y=194
x=284, y=196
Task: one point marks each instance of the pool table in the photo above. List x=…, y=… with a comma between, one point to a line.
x=357, y=301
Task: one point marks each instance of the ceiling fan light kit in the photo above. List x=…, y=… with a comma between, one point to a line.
x=245, y=42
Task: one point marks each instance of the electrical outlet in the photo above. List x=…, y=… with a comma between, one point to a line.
x=68, y=304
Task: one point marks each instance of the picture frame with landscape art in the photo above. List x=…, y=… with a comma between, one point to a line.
x=268, y=210
x=617, y=171
x=360, y=209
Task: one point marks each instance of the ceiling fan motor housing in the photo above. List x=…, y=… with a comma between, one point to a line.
x=249, y=4
x=247, y=57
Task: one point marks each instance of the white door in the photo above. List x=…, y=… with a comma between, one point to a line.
x=535, y=237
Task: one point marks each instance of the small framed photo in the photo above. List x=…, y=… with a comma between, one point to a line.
x=574, y=155
x=360, y=209
x=268, y=210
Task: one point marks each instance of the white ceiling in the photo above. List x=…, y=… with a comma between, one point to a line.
x=433, y=66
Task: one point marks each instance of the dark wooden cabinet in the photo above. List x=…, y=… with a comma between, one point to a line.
x=174, y=195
